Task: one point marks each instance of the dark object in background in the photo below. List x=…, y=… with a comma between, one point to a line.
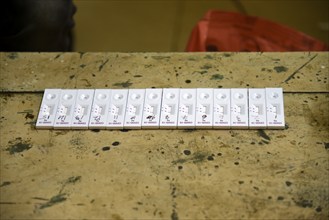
x=36, y=25
x=231, y=31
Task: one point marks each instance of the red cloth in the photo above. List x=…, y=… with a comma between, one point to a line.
x=231, y=31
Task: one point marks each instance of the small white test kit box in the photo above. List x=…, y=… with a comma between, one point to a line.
x=275, y=108
x=222, y=109
x=204, y=108
x=134, y=109
x=82, y=109
x=169, y=108
x=100, y=109
x=257, y=109
x=48, y=108
x=65, y=109
x=152, y=107
x=116, y=111
x=186, y=111
x=239, y=108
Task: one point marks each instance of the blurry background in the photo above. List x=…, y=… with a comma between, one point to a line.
x=165, y=25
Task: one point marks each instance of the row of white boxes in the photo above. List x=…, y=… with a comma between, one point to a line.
x=167, y=108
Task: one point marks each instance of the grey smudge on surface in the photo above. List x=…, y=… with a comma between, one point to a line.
x=197, y=157
x=217, y=77
x=123, y=84
x=5, y=183
x=12, y=56
x=102, y=65
x=18, y=145
x=262, y=134
x=280, y=69
x=53, y=201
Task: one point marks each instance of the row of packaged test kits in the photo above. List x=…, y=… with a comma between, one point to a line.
x=167, y=108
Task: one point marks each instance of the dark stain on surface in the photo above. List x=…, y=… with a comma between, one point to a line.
x=326, y=146
x=40, y=198
x=160, y=57
x=95, y=130
x=29, y=116
x=106, y=148
x=189, y=130
x=280, y=69
x=262, y=134
x=304, y=203
x=209, y=57
x=116, y=217
x=206, y=67
x=57, y=133
x=288, y=183
x=83, y=66
x=201, y=72
x=265, y=69
x=309, y=116
x=53, y=201
x=227, y=55
x=71, y=76
x=217, y=77
x=81, y=54
x=125, y=130
x=12, y=56
x=102, y=65
x=210, y=158
x=280, y=198
x=318, y=209
x=18, y=145
x=57, y=56
x=87, y=82
x=187, y=152
x=73, y=179
x=187, y=81
x=197, y=157
x=115, y=143
x=123, y=84
x=137, y=76
x=76, y=141
x=174, y=215
x=265, y=142
x=5, y=183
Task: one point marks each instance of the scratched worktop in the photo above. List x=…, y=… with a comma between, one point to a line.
x=165, y=174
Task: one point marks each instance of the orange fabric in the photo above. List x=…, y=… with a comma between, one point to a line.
x=231, y=31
